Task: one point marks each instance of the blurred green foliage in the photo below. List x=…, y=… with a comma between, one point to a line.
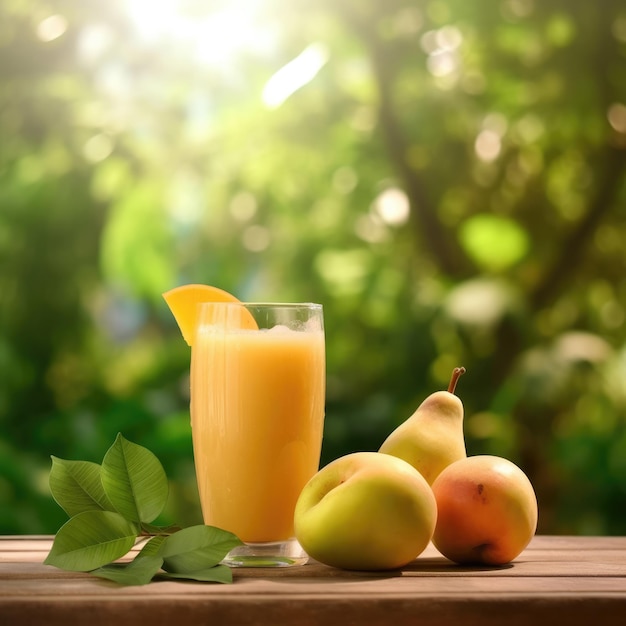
x=446, y=177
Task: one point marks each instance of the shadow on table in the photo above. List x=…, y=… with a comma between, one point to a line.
x=422, y=566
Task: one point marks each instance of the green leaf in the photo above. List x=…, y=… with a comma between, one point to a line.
x=151, y=529
x=196, y=549
x=134, y=481
x=153, y=546
x=76, y=486
x=140, y=571
x=215, y=574
x=90, y=540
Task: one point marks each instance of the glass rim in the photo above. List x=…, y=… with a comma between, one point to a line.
x=266, y=305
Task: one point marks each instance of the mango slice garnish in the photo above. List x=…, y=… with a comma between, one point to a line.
x=183, y=303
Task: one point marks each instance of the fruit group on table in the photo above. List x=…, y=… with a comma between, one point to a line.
x=183, y=302
x=379, y=510
x=366, y=511
x=432, y=437
x=487, y=511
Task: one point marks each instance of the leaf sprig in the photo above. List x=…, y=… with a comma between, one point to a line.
x=112, y=507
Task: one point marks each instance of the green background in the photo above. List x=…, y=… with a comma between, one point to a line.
x=446, y=177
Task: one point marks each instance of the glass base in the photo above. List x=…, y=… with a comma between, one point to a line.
x=271, y=554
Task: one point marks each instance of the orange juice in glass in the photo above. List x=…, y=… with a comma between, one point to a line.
x=257, y=414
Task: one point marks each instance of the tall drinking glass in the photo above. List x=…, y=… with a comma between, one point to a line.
x=257, y=413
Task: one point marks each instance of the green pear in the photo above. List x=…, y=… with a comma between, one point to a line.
x=432, y=438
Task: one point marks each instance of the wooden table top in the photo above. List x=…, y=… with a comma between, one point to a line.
x=575, y=580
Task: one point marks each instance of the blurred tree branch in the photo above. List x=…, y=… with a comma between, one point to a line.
x=571, y=250
x=429, y=230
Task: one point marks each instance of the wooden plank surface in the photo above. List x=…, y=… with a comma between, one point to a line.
x=577, y=580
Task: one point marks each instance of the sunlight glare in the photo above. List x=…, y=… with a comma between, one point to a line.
x=243, y=206
x=51, y=27
x=221, y=36
x=256, y=238
x=294, y=75
x=153, y=20
x=393, y=206
x=617, y=117
x=214, y=38
x=487, y=145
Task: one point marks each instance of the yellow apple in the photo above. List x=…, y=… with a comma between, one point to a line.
x=366, y=511
x=486, y=511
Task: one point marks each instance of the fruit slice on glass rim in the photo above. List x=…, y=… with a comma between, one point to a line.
x=183, y=302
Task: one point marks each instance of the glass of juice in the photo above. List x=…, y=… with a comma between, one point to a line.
x=257, y=414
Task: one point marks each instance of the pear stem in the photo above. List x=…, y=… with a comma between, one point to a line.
x=457, y=372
